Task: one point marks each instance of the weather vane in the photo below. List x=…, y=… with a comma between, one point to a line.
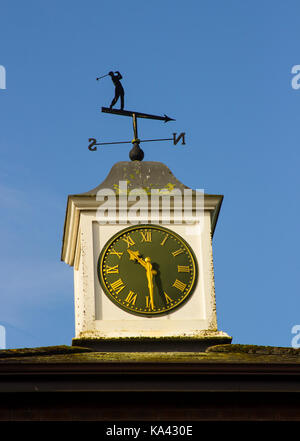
x=136, y=153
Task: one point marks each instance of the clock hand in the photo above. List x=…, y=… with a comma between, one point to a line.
x=150, y=273
x=134, y=255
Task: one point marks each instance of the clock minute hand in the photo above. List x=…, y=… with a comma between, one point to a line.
x=150, y=273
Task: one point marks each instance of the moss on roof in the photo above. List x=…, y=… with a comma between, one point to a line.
x=219, y=354
x=255, y=349
x=42, y=351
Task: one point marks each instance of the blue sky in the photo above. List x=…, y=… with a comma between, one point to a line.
x=223, y=70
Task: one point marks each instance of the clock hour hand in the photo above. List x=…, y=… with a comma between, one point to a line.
x=135, y=255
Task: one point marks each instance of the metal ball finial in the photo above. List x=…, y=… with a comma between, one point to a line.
x=136, y=153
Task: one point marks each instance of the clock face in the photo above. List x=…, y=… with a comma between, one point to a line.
x=147, y=270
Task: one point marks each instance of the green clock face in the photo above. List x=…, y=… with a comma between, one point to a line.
x=147, y=270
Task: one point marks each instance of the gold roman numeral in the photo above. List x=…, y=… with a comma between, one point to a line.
x=128, y=240
x=131, y=298
x=168, y=299
x=179, y=285
x=146, y=236
x=177, y=252
x=148, y=303
x=117, y=286
x=112, y=269
x=164, y=240
x=117, y=253
x=183, y=269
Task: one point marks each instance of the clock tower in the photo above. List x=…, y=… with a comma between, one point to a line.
x=140, y=244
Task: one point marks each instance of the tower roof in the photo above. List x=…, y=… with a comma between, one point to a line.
x=138, y=174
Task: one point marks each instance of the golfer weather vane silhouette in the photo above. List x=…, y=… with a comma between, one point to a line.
x=136, y=153
x=119, y=91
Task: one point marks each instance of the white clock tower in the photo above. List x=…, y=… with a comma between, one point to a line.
x=148, y=194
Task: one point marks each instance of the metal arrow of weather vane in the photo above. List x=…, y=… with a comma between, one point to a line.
x=136, y=153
